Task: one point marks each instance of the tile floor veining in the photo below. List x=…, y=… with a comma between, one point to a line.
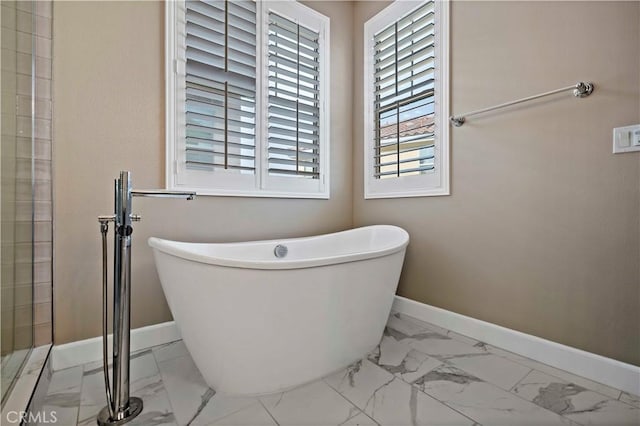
x=419, y=374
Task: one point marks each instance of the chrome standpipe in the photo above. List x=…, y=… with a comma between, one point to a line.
x=121, y=408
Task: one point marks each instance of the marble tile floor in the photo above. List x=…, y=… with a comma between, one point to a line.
x=419, y=374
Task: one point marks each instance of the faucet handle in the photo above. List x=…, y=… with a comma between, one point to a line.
x=106, y=218
x=104, y=222
x=135, y=218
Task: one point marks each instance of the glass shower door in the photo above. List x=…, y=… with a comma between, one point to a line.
x=16, y=189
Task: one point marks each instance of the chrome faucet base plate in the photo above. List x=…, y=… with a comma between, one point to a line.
x=135, y=408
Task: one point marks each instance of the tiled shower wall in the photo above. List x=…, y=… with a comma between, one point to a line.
x=9, y=169
x=32, y=19
x=42, y=271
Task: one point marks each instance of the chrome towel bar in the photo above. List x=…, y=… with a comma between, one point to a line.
x=580, y=90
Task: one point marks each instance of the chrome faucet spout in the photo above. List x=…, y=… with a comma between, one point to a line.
x=161, y=193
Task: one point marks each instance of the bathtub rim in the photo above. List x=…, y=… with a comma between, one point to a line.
x=173, y=248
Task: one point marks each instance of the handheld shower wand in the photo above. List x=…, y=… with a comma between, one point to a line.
x=121, y=408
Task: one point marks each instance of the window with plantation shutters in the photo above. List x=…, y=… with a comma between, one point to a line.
x=294, y=108
x=406, y=132
x=221, y=85
x=404, y=96
x=246, y=106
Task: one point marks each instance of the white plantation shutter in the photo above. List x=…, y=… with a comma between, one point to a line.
x=294, y=106
x=221, y=85
x=247, y=107
x=406, y=91
x=404, y=71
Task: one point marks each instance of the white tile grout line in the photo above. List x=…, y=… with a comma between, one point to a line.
x=347, y=399
x=153, y=354
x=520, y=381
x=268, y=412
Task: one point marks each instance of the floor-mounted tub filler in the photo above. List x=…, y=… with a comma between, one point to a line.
x=121, y=406
x=265, y=316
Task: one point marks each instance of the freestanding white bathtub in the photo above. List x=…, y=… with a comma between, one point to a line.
x=257, y=324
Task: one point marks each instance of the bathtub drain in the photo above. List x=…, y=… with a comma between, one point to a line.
x=280, y=250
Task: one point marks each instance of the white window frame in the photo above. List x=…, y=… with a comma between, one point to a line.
x=260, y=184
x=423, y=185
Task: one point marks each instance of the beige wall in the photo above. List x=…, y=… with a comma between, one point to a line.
x=108, y=116
x=541, y=233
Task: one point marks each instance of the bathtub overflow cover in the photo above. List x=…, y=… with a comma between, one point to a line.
x=280, y=250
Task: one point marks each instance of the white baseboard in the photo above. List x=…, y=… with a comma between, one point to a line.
x=586, y=364
x=89, y=350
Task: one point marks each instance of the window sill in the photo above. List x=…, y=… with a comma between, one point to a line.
x=434, y=192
